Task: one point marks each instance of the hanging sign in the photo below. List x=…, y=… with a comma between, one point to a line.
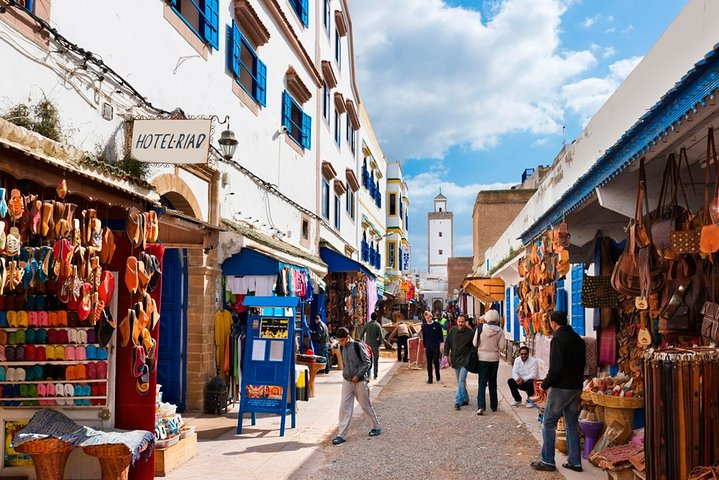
x=171, y=141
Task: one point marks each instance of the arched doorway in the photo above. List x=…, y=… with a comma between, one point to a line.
x=437, y=306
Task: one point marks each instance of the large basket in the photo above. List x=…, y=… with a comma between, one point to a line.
x=114, y=460
x=586, y=396
x=49, y=456
x=617, y=402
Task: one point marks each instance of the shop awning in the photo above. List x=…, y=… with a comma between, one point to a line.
x=178, y=230
x=485, y=289
x=250, y=262
x=336, y=262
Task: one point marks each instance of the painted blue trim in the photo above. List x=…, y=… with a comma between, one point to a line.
x=185, y=303
x=691, y=90
x=578, y=313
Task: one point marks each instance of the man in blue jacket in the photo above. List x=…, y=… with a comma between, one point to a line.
x=564, y=386
x=356, y=366
x=432, y=339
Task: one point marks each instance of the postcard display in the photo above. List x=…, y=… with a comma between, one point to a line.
x=268, y=375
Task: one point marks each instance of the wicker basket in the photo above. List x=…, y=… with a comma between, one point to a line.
x=617, y=402
x=114, y=460
x=49, y=457
x=586, y=396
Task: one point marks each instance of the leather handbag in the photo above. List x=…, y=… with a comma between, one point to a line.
x=638, y=272
x=597, y=291
x=683, y=233
x=684, y=291
x=710, y=314
x=709, y=239
x=472, y=364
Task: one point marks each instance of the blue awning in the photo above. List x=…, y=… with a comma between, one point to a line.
x=250, y=262
x=336, y=262
x=251, y=301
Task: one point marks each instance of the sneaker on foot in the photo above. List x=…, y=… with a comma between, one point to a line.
x=576, y=468
x=374, y=432
x=515, y=403
x=480, y=411
x=542, y=467
x=457, y=406
x=530, y=404
x=429, y=381
x=338, y=441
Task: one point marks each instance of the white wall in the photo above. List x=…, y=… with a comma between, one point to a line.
x=438, y=261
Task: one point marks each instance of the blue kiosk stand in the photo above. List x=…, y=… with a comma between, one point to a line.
x=268, y=376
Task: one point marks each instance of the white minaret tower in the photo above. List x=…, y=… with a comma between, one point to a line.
x=440, y=244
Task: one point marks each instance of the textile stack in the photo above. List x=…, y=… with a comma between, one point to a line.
x=682, y=411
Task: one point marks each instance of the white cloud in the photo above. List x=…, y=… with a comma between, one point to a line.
x=436, y=76
x=590, y=21
x=541, y=141
x=586, y=96
x=608, y=52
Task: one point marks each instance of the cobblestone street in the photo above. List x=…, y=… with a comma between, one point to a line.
x=424, y=437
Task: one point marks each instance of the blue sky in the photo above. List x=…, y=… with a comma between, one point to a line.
x=469, y=93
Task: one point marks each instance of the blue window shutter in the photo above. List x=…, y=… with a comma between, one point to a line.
x=286, y=110
x=235, y=51
x=507, y=308
x=306, y=131
x=212, y=23
x=305, y=13
x=261, y=83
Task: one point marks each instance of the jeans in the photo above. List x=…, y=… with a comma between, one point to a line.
x=402, y=344
x=487, y=374
x=432, y=359
x=527, y=386
x=462, y=396
x=375, y=360
x=323, y=351
x=561, y=402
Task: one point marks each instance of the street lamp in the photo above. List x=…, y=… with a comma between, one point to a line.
x=228, y=144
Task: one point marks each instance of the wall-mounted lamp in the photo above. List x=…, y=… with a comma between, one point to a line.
x=228, y=142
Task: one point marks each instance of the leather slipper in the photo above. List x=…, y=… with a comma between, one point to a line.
x=127, y=327
x=35, y=216
x=108, y=246
x=104, y=328
x=84, y=306
x=131, y=278
x=3, y=203
x=47, y=222
x=107, y=287
x=16, y=205
x=133, y=225
x=138, y=361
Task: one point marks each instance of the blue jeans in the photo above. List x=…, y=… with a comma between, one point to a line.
x=462, y=396
x=487, y=375
x=561, y=402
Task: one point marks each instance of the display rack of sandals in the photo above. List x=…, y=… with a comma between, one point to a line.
x=546, y=261
x=682, y=411
x=55, y=324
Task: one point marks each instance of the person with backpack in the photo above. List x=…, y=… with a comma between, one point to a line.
x=371, y=334
x=357, y=363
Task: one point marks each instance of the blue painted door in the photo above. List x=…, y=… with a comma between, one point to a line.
x=173, y=323
x=515, y=323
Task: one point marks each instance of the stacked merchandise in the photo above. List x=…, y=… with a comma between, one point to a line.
x=347, y=300
x=682, y=411
x=55, y=324
x=546, y=261
x=170, y=428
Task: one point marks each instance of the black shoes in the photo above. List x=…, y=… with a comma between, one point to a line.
x=576, y=468
x=338, y=441
x=543, y=467
x=429, y=381
x=465, y=403
x=374, y=432
x=456, y=406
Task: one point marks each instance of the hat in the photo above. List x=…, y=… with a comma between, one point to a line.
x=492, y=316
x=342, y=332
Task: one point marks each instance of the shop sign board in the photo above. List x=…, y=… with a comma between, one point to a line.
x=171, y=141
x=269, y=359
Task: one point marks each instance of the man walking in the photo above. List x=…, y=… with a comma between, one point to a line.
x=354, y=385
x=524, y=372
x=371, y=334
x=320, y=340
x=458, y=346
x=432, y=338
x=564, y=386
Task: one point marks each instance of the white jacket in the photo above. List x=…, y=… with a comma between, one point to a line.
x=490, y=343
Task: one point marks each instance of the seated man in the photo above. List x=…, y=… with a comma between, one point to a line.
x=524, y=372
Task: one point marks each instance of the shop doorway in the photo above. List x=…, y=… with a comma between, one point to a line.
x=172, y=358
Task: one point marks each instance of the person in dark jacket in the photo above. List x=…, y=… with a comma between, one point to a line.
x=432, y=338
x=564, y=386
x=371, y=334
x=320, y=341
x=458, y=346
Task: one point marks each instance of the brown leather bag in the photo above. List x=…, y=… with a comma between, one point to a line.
x=709, y=240
x=638, y=272
x=684, y=292
x=671, y=221
x=710, y=312
x=597, y=291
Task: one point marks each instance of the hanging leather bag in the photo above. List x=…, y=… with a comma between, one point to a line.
x=638, y=272
x=684, y=292
x=709, y=240
x=672, y=230
x=710, y=312
x=597, y=291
